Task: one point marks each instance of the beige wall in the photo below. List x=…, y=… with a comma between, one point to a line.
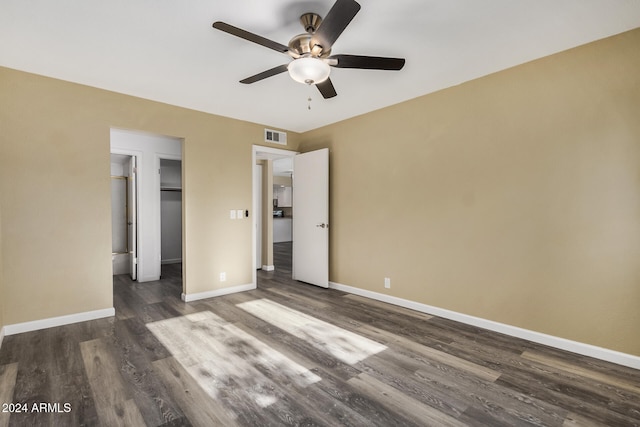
x=54, y=192
x=514, y=197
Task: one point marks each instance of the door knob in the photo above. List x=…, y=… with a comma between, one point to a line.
x=322, y=225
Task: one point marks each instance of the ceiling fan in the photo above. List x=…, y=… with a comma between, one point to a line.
x=311, y=51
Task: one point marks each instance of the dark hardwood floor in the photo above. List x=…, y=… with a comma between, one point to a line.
x=294, y=354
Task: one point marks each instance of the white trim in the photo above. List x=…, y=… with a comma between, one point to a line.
x=217, y=292
x=268, y=267
x=1, y=336
x=280, y=152
x=612, y=356
x=18, y=328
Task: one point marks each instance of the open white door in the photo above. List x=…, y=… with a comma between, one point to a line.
x=132, y=210
x=311, y=217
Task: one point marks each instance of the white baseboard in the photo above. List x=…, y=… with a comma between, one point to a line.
x=612, y=356
x=217, y=292
x=1, y=336
x=18, y=328
x=268, y=267
x=171, y=261
x=148, y=279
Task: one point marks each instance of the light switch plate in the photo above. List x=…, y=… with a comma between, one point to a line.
x=232, y=214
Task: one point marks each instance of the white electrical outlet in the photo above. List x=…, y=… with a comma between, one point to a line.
x=240, y=214
x=387, y=282
x=223, y=276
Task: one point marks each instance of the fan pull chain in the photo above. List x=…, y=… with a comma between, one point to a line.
x=309, y=99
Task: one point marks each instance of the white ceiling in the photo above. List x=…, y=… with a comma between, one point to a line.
x=166, y=50
x=283, y=166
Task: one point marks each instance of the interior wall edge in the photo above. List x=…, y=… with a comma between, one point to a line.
x=1, y=336
x=583, y=349
x=218, y=292
x=52, y=322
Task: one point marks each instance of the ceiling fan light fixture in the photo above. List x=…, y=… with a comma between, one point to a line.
x=309, y=70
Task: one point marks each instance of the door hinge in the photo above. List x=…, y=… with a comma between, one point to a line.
x=135, y=261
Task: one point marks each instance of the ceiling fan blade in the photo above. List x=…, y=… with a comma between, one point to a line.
x=337, y=19
x=368, y=62
x=238, y=32
x=326, y=89
x=263, y=75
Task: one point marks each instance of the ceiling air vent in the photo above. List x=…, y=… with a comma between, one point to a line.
x=275, y=137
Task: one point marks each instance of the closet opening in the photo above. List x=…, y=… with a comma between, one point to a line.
x=170, y=217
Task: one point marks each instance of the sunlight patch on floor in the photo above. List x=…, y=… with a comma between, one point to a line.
x=225, y=360
x=344, y=345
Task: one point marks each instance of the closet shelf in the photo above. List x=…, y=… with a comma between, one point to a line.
x=170, y=189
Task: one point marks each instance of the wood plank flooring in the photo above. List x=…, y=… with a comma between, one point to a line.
x=293, y=354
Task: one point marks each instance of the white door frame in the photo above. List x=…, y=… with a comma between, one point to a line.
x=132, y=216
x=257, y=213
x=271, y=152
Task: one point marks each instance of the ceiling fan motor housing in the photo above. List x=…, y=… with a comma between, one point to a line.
x=301, y=44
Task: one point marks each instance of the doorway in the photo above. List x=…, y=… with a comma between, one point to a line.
x=272, y=207
x=148, y=150
x=123, y=215
x=310, y=234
